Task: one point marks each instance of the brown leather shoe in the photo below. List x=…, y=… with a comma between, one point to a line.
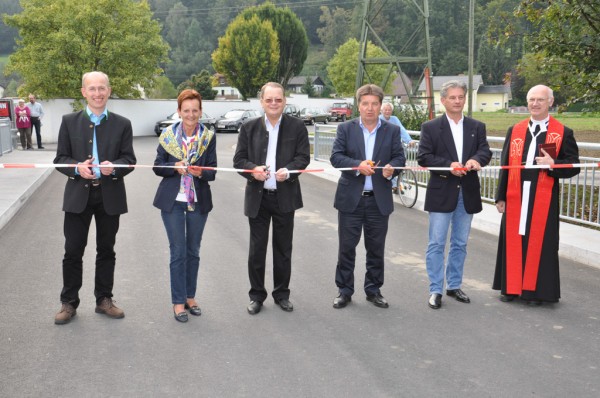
x=107, y=306
x=66, y=313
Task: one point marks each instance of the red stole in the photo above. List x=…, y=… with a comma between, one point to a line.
x=516, y=279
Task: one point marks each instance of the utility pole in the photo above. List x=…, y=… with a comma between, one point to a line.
x=471, y=55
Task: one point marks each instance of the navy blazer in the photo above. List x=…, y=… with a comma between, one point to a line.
x=75, y=145
x=437, y=149
x=169, y=186
x=293, y=153
x=349, y=151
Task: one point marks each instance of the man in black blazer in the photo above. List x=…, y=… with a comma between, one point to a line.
x=452, y=197
x=89, y=137
x=364, y=196
x=271, y=146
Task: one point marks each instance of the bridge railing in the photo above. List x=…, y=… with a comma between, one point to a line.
x=579, y=196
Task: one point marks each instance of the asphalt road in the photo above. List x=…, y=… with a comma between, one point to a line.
x=486, y=348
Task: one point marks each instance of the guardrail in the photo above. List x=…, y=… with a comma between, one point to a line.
x=580, y=195
x=5, y=137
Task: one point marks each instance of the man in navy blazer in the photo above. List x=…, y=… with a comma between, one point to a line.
x=452, y=196
x=93, y=136
x=364, y=196
x=271, y=146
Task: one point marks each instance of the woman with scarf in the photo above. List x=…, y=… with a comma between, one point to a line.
x=23, y=115
x=184, y=196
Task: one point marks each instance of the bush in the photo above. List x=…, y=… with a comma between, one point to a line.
x=411, y=118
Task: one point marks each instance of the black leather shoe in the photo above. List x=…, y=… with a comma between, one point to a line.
x=254, y=307
x=459, y=295
x=181, y=317
x=378, y=300
x=505, y=298
x=194, y=309
x=435, y=301
x=341, y=301
x=285, y=304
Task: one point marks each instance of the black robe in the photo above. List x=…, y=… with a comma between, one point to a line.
x=548, y=280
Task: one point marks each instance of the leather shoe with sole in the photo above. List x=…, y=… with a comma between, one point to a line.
x=181, y=317
x=254, y=307
x=285, y=304
x=459, y=295
x=194, y=309
x=341, y=301
x=435, y=301
x=378, y=300
x=107, y=306
x=66, y=313
x=505, y=298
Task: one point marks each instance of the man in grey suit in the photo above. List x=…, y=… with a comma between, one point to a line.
x=452, y=197
x=271, y=146
x=93, y=136
x=364, y=196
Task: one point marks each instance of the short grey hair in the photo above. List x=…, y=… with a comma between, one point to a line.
x=87, y=74
x=387, y=104
x=452, y=84
x=273, y=85
x=369, y=89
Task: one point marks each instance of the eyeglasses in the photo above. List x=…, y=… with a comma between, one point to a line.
x=271, y=100
x=538, y=100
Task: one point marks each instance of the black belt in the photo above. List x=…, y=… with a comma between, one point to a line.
x=270, y=191
x=95, y=182
x=368, y=193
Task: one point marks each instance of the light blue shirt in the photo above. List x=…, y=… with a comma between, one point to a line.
x=369, y=137
x=404, y=136
x=96, y=120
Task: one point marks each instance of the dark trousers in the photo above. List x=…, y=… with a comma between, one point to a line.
x=283, y=231
x=350, y=226
x=76, y=228
x=35, y=122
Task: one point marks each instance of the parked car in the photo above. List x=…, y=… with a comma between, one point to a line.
x=206, y=120
x=341, y=111
x=292, y=110
x=314, y=115
x=232, y=120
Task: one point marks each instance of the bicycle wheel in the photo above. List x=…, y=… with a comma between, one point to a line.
x=408, y=188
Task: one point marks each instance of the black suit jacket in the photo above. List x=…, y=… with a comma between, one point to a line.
x=293, y=153
x=115, y=144
x=349, y=151
x=437, y=149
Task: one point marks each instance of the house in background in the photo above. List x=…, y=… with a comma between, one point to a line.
x=224, y=90
x=399, y=91
x=296, y=83
x=485, y=98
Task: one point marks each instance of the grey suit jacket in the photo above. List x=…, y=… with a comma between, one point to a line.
x=349, y=151
x=115, y=144
x=293, y=153
x=437, y=149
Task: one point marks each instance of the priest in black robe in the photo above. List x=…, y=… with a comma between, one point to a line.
x=528, y=198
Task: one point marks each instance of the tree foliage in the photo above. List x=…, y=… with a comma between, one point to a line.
x=62, y=39
x=248, y=54
x=344, y=64
x=162, y=89
x=291, y=35
x=202, y=83
x=308, y=88
x=335, y=31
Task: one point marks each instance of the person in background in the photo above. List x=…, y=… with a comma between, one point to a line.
x=529, y=200
x=37, y=113
x=452, y=197
x=93, y=136
x=23, y=122
x=386, y=114
x=184, y=198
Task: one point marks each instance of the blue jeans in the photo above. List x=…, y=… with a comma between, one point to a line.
x=439, y=223
x=184, y=230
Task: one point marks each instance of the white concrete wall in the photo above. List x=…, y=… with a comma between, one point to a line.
x=145, y=113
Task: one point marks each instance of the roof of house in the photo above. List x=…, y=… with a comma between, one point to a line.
x=439, y=80
x=301, y=80
x=500, y=89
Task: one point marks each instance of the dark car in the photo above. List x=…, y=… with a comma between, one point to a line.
x=292, y=110
x=314, y=115
x=206, y=120
x=232, y=120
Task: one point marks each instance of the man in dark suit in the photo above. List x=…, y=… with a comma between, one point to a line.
x=271, y=146
x=364, y=196
x=452, y=197
x=89, y=137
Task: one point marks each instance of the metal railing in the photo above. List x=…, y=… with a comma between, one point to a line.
x=580, y=195
x=6, y=142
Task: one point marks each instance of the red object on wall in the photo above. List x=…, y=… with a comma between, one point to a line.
x=6, y=108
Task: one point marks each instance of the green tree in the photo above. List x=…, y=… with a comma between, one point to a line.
x=247, y=55
x=492, y=63
x=201, y=82
x=308, y=88
x=293, y=41
x=335, y=31
x=163, y=88
x=62, y=39
x=344, y=64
